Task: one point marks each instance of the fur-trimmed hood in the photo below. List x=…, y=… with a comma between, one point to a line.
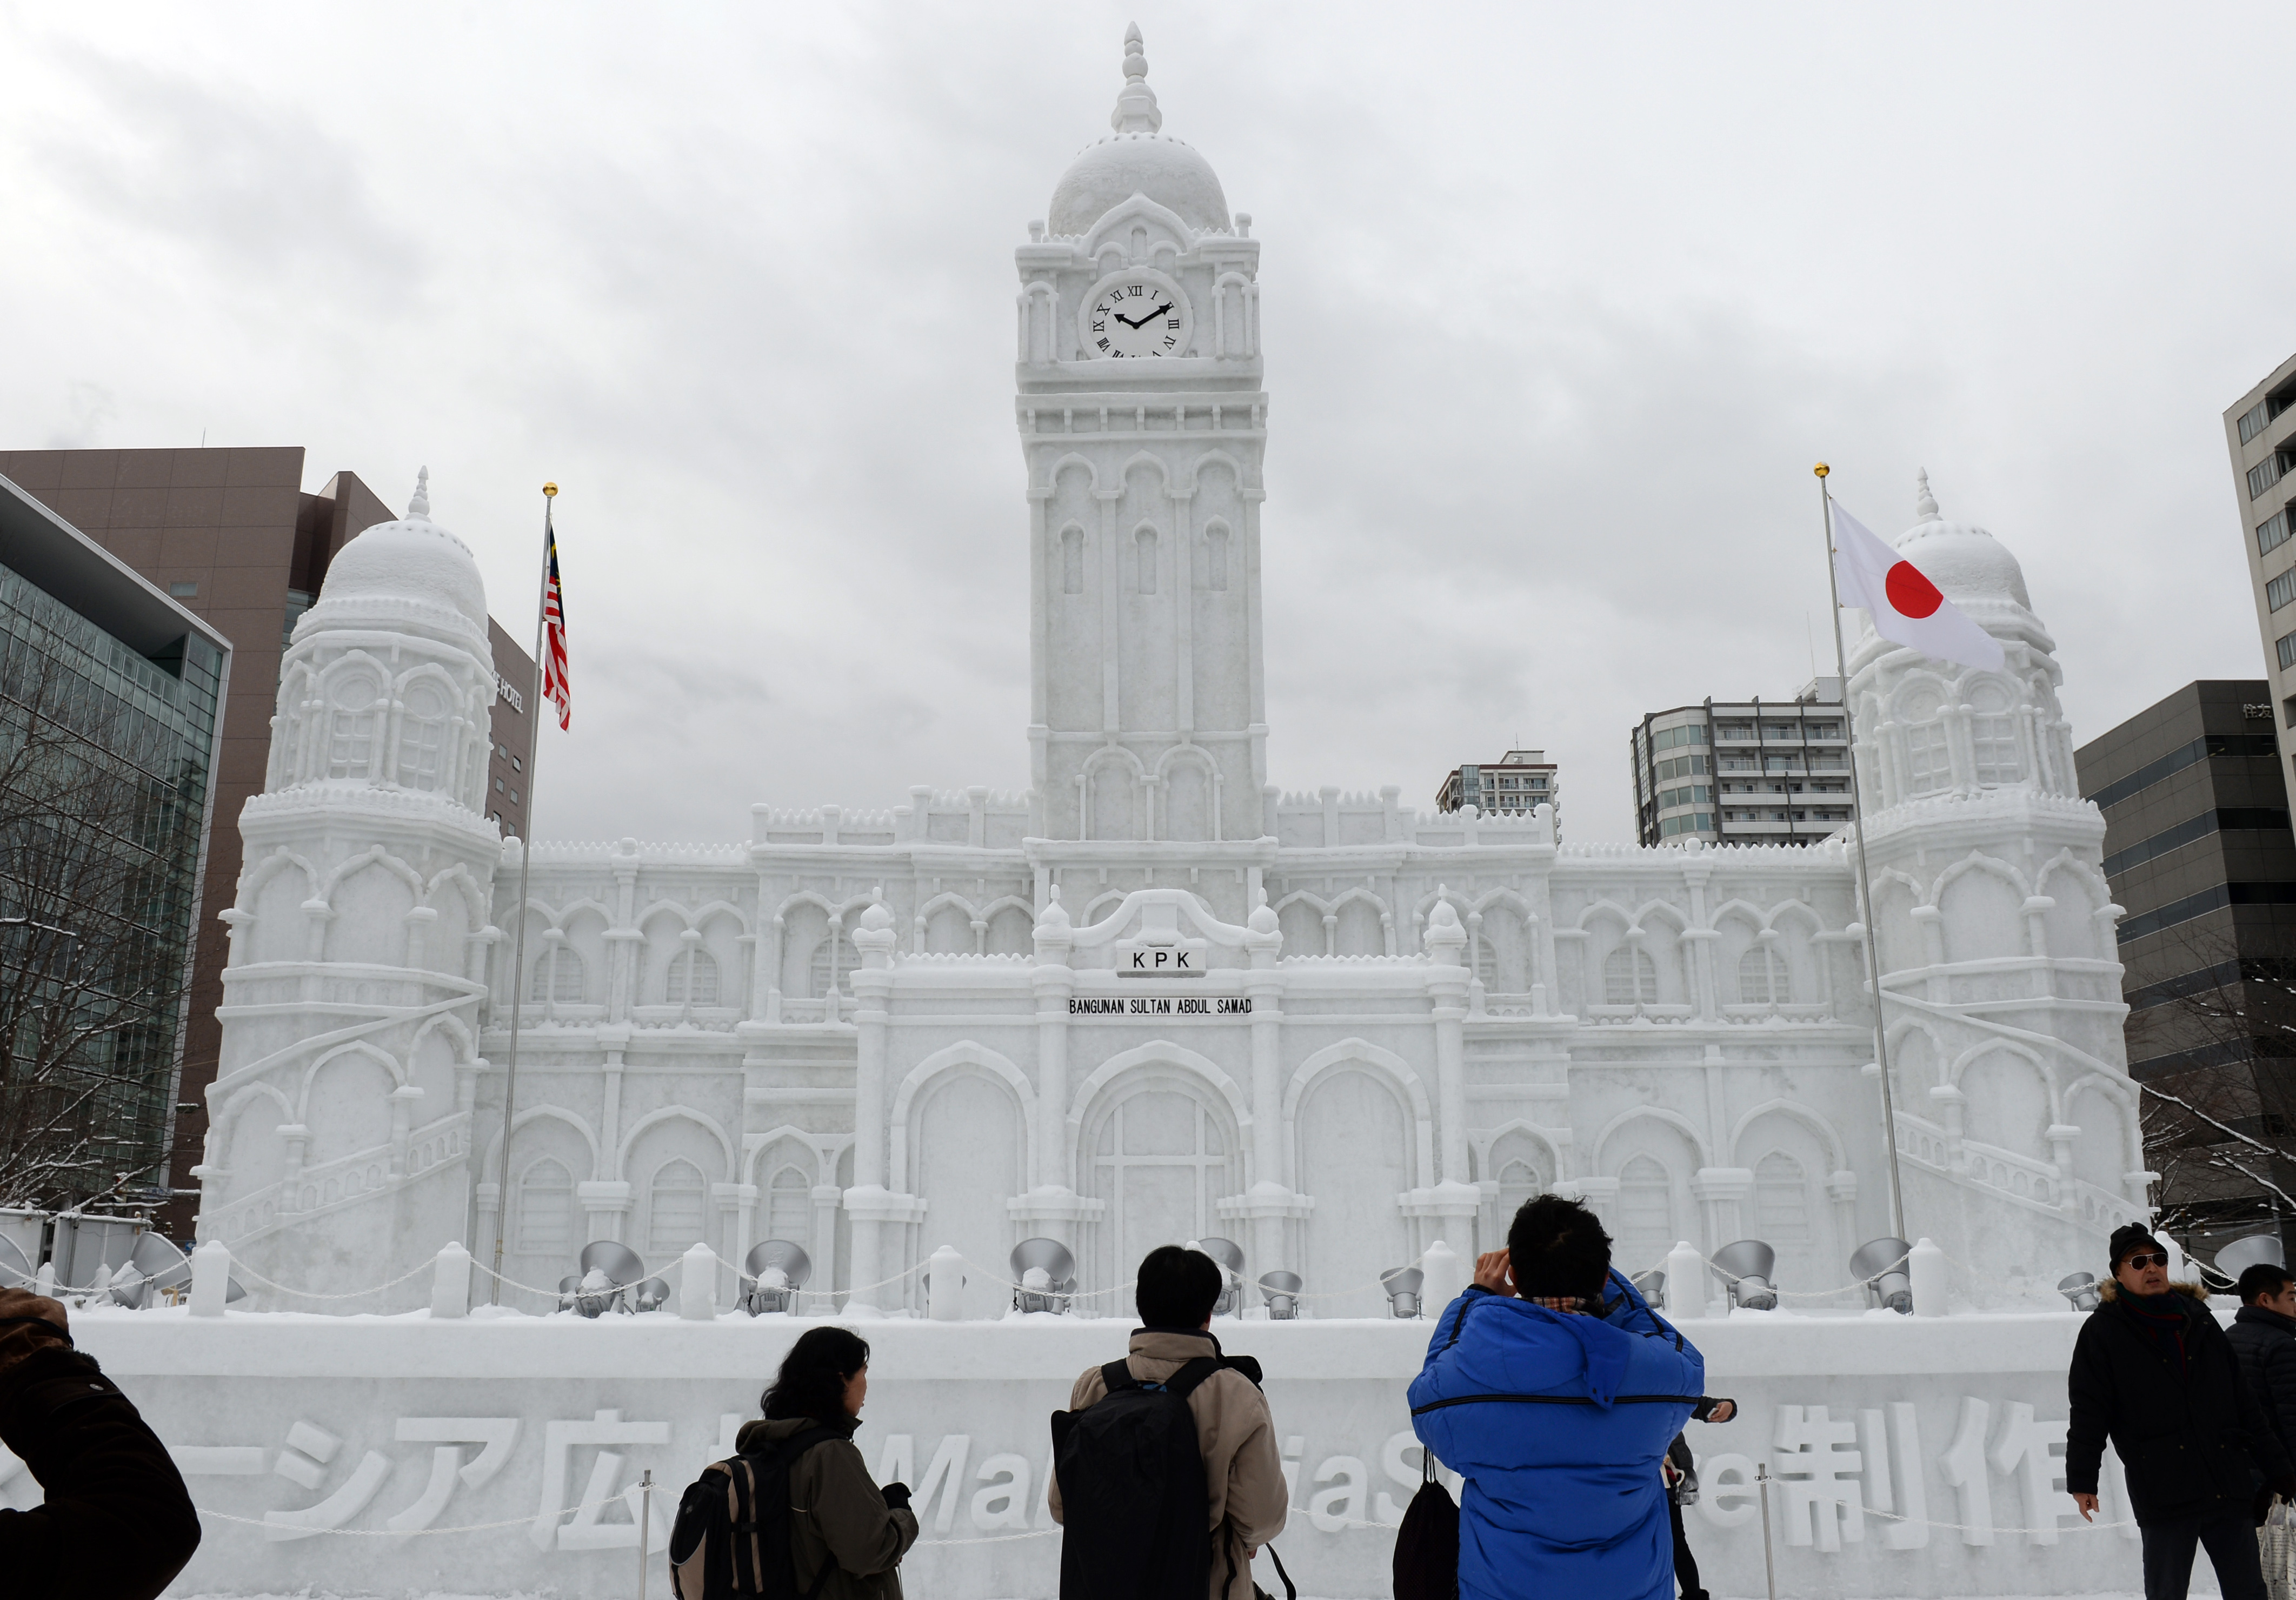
x=2110, y=1290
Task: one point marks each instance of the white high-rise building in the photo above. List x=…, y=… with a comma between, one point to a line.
x=1153, y=999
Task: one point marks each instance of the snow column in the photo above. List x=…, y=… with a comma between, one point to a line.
x=1270, y=1199
x=1447, y=986
x=868, y=1199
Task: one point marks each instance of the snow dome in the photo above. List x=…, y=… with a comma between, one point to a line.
x=413, y=559
x=1963, y=561
x=1137, y=160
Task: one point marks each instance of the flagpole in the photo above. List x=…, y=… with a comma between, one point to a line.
x=1865, y=873
x=525, y=864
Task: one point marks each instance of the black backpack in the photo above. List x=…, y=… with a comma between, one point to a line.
x=1132, y=1490
x=733, y=1530
x=1427, y=1543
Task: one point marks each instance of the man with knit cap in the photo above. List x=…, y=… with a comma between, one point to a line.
x=2153, y=1372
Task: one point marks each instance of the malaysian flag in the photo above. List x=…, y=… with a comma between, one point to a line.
x=554, y=626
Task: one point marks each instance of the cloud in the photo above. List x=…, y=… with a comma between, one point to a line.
x=1560, y=306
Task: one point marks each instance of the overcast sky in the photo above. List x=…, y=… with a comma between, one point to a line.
x=1560, y=304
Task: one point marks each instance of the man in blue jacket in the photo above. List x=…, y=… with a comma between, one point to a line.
x=1554, y=1389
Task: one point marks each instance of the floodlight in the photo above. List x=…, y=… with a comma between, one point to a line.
x=1282, y=1292
x=2257, y=1250
x=608, y=1269
x=1650, y=1284
x=2080, y=1291
x=1746, y=1268
x=568, y=1288
x=1044, y=1268
x=774, y=1270
x=1880, y=1264
x=1229, y=1254
x=1402, y=1286
x=654, y=1294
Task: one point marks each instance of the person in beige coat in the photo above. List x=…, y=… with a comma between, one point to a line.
x=1243, y=1472
x=837, y=1512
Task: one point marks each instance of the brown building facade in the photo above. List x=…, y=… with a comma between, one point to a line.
x=232, y=537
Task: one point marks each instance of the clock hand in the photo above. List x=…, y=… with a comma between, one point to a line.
x=1129, y=322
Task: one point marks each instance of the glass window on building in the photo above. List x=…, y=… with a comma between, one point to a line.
x=104, y=768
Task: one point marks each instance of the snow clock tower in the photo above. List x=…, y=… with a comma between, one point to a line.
x=1142, y=422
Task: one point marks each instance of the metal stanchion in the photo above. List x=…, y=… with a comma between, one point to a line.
x=646, y=1527
x=1769, y=1562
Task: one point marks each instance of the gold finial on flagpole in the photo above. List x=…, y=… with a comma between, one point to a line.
x=1821, y=469
x=550, y=492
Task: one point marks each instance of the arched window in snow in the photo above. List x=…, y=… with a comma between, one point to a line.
x=350, y=726
x=1645, y=1211
x=833, y=958
x=1781, y=1201
x=675, y=1210
x=545, y=1210
x=693, y=978
x=423, y=738
x=1762, y=978
x=1629, y=977
x=1993, y=737
x=789, y=1207
x=557, y=976
x=1072, y=559
x=1486, y=958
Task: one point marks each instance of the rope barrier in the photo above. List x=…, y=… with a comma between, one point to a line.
x=240, y=1269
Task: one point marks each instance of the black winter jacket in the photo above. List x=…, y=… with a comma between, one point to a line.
x=2190, y=1440
x=2266, y=1343
x=117, y=1523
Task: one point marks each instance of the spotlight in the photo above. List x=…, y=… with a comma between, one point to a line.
x=1046, y=1271
x=1650, y=1284
x=2080, y=1291
x=2257, y=1250
x=654, y=1294
x=608, y=1270
x=1229, y=1254
x=1880, y=1264
x=1746, y=1267
x=1402, y=1286
x=1281, y=1292
x=774, y=1271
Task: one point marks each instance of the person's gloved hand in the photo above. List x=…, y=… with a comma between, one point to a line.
x=897, y=1496
x=27, y=1322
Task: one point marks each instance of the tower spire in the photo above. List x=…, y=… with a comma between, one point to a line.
x=1925, y=506
x=1135, y=110
x=420, y=507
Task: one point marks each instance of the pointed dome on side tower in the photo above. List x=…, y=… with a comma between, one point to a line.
x=1137, y=159
x=412, y=567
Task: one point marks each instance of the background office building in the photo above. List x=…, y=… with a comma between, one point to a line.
x=2260, y=432
x=2199, y=855
x=1745, y=772
x=230, y=536
x=110, y=737
x=1521, y=780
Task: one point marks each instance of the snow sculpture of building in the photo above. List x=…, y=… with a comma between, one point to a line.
x=1153, y=999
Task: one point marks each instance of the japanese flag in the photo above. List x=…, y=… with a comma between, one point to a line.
x=1907, y=607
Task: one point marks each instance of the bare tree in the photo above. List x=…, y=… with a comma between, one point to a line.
x=100, y=814
x=2216, y=1047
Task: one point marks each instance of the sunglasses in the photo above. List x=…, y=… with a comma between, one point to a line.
x=2142, y=1261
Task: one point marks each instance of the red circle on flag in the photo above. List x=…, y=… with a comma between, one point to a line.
x=1912, y=594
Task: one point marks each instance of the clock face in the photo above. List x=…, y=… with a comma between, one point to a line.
x=1134, y=313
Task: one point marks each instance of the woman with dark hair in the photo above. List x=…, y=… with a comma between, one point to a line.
x=846, y=1534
